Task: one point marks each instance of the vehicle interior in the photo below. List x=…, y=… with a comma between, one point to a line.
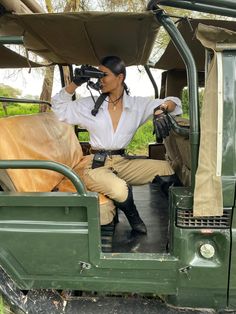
x=93, y=39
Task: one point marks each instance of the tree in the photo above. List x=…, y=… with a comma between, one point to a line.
x=8, y=91
x=123, y=5
x=55, y=6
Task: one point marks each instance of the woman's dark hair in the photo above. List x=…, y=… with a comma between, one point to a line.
x=117, y=66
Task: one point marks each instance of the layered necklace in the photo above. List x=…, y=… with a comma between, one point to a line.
x=115, y=102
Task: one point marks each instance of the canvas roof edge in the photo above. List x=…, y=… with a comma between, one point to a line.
x=168, y=62
x=128, y=35
x=8, y=57
x=11, y=59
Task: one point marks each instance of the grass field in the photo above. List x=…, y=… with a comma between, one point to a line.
x=15, y=109
x=1, y=305
x=4, y=308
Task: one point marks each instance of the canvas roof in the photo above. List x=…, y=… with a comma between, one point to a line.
x=171, y=59
x=11, y=59
x=85, y=37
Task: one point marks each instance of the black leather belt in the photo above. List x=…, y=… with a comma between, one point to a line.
x=108, y=152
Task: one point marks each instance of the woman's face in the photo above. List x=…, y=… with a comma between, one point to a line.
x=110, y=82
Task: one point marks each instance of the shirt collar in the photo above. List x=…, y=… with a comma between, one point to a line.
x=126, y=102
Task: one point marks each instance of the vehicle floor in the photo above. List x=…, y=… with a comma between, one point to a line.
x=50, y=302
x=126, y=305
x=153, y=209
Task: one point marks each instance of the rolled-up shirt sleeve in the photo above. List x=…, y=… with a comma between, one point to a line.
x=68, y=110
x=64, y=107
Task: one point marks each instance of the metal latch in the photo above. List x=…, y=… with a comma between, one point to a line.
x=185, y=270
x=84, y=266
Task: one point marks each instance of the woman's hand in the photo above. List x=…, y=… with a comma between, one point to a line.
x=71, y=88
x=158, y=111
x=161, y=125
x=168, y=106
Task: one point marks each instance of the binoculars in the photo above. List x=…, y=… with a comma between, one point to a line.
x=89, y=72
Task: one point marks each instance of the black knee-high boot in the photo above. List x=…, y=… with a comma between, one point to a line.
x=167, y=181
x=131, y=213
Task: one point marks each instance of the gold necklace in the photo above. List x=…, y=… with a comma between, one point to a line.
x=115, y=102
x=114, y=105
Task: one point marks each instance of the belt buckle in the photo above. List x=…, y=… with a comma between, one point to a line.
x=103, y=152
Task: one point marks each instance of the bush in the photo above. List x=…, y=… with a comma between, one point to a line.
x=185, y=101
x=140, y=141
x=13, y=109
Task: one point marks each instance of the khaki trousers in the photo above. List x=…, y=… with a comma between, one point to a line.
x=118, y=171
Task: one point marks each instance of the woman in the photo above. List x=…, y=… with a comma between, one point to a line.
x=110, y=171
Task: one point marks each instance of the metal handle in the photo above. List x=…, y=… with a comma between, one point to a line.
x=14, y=40
x=24, y=101
x=44, y=164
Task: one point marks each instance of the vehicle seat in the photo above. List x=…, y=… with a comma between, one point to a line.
x=43, y=137
x=178, y=153
x=178, y=147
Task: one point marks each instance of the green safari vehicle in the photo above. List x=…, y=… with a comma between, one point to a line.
x=60, y=244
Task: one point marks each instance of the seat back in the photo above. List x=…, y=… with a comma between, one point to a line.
x=178, y=153
x=39, y=137
x=43, y=137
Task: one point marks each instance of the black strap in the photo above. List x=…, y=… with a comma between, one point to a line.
x=108, y=152
x=98, y=103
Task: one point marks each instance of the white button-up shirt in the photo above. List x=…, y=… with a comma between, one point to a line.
x=136, y=111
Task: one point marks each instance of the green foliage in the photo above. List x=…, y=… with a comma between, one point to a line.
x=18, y=109
x=185, y=101
x=142, y=138
x=10, y=108
x=4, y=308
x=8, y=91
x=84, y=136
x=1, y=305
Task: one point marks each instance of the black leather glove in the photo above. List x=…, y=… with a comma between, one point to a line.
x=162, y=126
x=79, y=80
x=78, y=77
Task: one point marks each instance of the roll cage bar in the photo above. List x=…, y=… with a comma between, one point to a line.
x=192, y=76
x=219, y=7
